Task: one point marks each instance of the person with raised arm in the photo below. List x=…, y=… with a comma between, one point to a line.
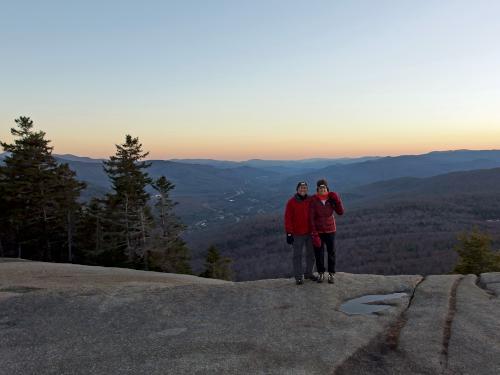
x=322, y=207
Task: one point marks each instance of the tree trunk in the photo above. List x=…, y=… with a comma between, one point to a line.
x=143, y=230
x=48, y=253
x=163, y=224
x=97, y=236
x=70, y=238
x=127, y=232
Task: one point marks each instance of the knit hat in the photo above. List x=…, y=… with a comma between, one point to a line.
x=322, y=182
x=301, y=183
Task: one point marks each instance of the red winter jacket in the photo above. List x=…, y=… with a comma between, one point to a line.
x=321, y=215
x=297, y=215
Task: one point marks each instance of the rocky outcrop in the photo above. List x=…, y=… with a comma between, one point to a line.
x=71, y=319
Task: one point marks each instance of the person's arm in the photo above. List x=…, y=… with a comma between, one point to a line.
x=338, y=206
x=289, y=218
x=312, y=218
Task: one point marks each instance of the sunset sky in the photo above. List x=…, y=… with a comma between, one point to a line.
x=254, y=79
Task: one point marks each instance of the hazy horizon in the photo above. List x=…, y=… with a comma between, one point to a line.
x=238, y=80
x=266, y=159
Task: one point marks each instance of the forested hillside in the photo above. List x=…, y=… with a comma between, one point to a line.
x=393, y=227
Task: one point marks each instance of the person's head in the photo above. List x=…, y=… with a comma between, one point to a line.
x=302, y=188
x=322, y=186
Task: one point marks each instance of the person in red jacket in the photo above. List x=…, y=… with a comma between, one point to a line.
x=323, y=228
x=298, y=233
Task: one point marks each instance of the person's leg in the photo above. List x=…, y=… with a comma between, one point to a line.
x=330, y=247
x=298, y=245
x=329, y=240
x=309, y=257
x=319, y=254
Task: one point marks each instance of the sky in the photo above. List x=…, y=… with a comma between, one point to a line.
x=268, y=79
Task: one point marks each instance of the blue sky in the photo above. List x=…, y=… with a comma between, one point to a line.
x=266, y=79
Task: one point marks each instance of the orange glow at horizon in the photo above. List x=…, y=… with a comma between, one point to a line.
x=296, y=152
x=284, y=140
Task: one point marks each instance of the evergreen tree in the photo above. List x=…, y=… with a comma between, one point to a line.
x=169, y=223
x=475, y=254
x=169, y=251
x=69, y=208
x=90, y=234
x=36, y=195
x=217, y=266
x=4, y=223
x=127, y=204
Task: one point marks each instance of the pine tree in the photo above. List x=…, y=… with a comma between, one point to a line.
x=169, y=251
x=475, y=254
x=4, y=223
x=217, y=266
x=169, y=224
x=35, y=193
x=67, y=198
x=127, y=204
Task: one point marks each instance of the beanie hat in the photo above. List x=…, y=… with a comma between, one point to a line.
x=302, y=183
x=322, y=182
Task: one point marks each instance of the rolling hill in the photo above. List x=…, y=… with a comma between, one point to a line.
x=398, y=226
x=434, y=163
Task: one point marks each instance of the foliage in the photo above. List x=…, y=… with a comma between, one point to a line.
x=475, y=254
x=39, y=197
x=217, y=266
x=127, y=212
x=168, y=251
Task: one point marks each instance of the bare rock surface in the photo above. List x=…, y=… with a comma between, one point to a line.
x=72, y=319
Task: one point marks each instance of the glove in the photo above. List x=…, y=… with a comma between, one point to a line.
x=289, y=238
x=333, y=197
x=316, y=240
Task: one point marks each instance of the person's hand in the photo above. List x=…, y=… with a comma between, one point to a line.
x=316, y=240
x=333, y=197
x=289, y=238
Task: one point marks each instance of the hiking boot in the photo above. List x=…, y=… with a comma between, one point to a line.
x=299, y=281
x=330, y=278
x=312, y=277
x=321, y=277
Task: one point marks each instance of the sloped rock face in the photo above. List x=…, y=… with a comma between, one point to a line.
x=70, y=319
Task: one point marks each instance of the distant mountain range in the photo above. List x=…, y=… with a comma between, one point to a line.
x=281, y=166
x=207, y=176
x=386, y=168
x=212, y=191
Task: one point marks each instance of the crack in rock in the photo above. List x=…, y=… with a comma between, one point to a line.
x=381, y=355
x=452, y=309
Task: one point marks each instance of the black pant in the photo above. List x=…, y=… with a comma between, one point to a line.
x=327, y=239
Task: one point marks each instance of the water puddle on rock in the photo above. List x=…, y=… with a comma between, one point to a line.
x=369, y=304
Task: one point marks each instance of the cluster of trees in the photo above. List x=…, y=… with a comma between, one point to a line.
x=43, y=218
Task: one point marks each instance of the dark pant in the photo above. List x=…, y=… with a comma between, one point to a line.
x=328, y=240
x=301, y=244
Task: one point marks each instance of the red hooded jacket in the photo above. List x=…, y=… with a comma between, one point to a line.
x=321, y=215
x=297, y=215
